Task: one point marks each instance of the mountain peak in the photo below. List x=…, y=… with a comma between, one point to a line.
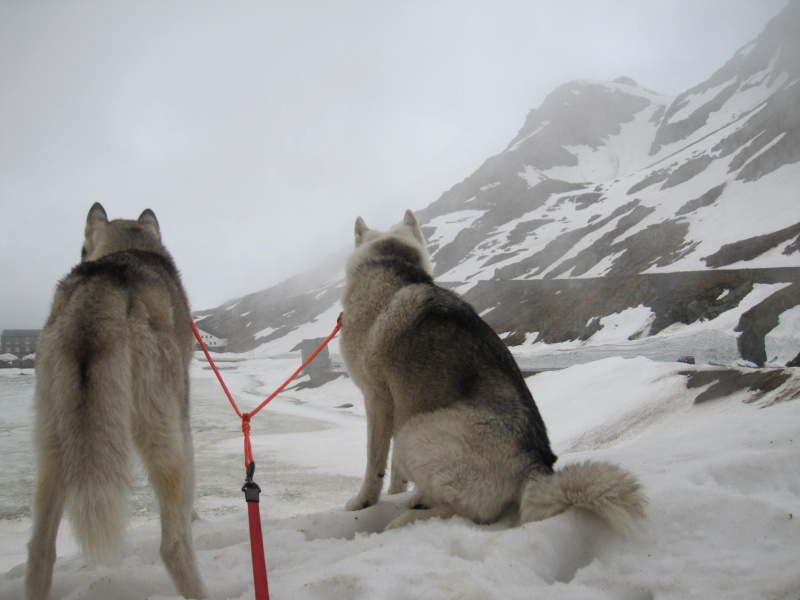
x=626, y=81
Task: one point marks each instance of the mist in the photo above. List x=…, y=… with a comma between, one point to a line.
x=258, y=132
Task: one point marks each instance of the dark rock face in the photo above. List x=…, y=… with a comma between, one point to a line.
x=687, y=170
x=757, y=322
x=724, y=382
x=753, y=247
x=706, y=199
x=769, y=140
x=278, y=310
x=576, y=113
x=569, y=310
x=268, y=309
x=671, y=132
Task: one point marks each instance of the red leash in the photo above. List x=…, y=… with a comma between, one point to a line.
x=250, y=488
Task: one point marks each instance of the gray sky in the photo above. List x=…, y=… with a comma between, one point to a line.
x=258, y=130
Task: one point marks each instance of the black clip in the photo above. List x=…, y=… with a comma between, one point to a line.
x=250, y=487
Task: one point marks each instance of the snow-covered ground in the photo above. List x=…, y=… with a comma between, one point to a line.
x=722, y=478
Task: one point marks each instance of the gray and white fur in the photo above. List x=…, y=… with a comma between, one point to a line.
x=438, y=381
x=112, y=374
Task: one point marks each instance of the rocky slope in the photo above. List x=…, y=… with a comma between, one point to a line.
x=611, y=197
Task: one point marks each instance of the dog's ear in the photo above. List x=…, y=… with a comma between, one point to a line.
x=409, y=220
x=148, y=218
x=96, y=222
x=97, y=214
x=360, y=229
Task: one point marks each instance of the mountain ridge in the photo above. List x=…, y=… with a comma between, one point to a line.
x=611, y=180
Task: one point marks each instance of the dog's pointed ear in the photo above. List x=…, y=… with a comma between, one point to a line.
x=96, y=222
x=97, y=214
x=409, y=220
x=360, y=229
x=148, y=218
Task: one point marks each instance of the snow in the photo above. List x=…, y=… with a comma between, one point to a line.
x=265, y=332
x=695, y=101
x=619, y=155
x=623, y=325
x=448, y=226
x=712, y=341
x=742, y=218
x=527, y=137
x=531, y=175
x=781, y=344
x=722, y=479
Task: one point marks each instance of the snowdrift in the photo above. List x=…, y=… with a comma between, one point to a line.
x=722, y=478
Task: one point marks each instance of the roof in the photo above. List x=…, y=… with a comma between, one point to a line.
x=21, y=332
x=210, y=331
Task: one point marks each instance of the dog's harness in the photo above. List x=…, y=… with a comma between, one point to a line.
x=250, y=488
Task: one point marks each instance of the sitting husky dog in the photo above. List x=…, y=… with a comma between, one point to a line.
x=438, y=380
x=112, y=372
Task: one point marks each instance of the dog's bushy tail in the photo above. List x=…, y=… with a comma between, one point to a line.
x=610, y=492
x=96, y=449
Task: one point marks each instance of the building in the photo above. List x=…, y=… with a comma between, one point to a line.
x=20, y=342
x=212, y=339
x=321, y=367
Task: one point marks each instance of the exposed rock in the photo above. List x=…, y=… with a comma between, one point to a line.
x=562, y=310
x=725, y=382
x=753, y=247
x=706, y=199
x=651, y=179
x=687, y=171
x=757, y=322
x=671, y=132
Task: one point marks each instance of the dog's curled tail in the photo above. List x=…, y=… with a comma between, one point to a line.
x=96, y=459
x=608, y=491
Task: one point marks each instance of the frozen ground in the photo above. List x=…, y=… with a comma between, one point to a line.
x=722, y=479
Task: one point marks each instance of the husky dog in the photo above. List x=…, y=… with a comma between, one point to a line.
x=112, y=373
x=441, y=383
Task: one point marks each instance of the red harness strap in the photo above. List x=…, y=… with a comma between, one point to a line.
x=250, y=488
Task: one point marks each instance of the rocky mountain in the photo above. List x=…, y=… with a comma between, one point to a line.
x=612, y=197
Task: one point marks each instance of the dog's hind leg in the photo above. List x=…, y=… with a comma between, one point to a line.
x=47, y=512
x=168, y=456
x=458, y=458
x=442, y=511
x=397, y=483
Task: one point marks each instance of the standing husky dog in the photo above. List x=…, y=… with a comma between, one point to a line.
x=437, y=379
x=112, y=372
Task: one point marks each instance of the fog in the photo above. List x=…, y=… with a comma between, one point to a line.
x=258, y=131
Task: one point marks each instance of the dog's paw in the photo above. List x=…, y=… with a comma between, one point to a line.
x=359, y=502
x=406, y=518
x=417, y=502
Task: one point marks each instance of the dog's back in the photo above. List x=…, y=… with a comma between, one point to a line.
x=439, y=353
x=442, y=384
x=112, y=373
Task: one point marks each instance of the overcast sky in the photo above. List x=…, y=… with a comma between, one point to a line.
x=258, y=131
